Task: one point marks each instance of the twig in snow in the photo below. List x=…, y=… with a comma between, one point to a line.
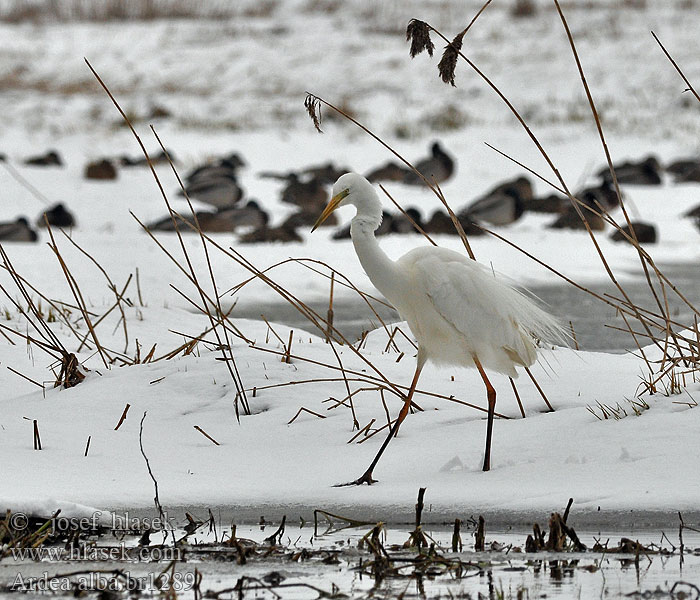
x=156, y=499
x=302, y=409
x=206, y=435
x=123, y=417
x=37, y=439
x=539, y=389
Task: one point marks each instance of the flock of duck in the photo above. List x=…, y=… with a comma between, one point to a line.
x=216, y=184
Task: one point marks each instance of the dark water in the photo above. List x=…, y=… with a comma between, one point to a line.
x=593, y=320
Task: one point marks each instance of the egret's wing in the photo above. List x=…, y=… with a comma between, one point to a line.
x=491, y=315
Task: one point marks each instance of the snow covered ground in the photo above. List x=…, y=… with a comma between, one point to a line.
x=238, y=85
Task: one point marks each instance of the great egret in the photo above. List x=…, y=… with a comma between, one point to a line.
x=458, y=311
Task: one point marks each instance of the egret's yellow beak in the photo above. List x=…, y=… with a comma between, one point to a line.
x=332, y=205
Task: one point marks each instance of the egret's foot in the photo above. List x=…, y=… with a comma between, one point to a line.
x=366, y=478
x=487, y=465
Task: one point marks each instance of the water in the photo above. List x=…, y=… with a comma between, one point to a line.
x=308, y=565
x=594, y=322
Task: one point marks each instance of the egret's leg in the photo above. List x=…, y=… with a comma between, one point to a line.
x=491, y=396
x=367, y=476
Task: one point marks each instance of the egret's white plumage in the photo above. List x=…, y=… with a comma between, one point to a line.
x=458, y=310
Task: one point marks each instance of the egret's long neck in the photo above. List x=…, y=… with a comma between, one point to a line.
x=380, y=269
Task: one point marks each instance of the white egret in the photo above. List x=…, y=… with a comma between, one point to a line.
x=458, y=311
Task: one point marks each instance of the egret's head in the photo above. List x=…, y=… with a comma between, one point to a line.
x=350, y=188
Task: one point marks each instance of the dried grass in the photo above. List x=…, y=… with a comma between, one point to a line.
x=71, y=371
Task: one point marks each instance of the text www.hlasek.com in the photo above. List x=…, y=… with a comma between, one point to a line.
x=98, y=553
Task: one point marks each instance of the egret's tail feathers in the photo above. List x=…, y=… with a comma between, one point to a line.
x=539, y=324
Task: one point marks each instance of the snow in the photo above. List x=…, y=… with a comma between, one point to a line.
x=239, y=85
x=613, y=464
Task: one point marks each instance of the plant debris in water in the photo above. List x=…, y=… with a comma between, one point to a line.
x=388, y=568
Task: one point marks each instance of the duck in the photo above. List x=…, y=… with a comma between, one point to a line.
x=230, y=219
x=161, y=158
x=645, y=233
x=694, y=213
x=552, y=203
x=438, y=168
x=216, y=182
x=310, y=195
x=400, y=224
x=283, y=233
x=57, y=216
x=685, y=170
x=226, y=220
x=497, y=208
x=17, y=231
x=304, y=218
x=101, y=169
x=441, y=223
x=644, y=172
x=390, y=171
x=221, y=191
x=325, y=174
x=502, y=205
x=166, y=223
x=228, y=165
x=50, y=159
x=603, y=194
x=569, y=219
